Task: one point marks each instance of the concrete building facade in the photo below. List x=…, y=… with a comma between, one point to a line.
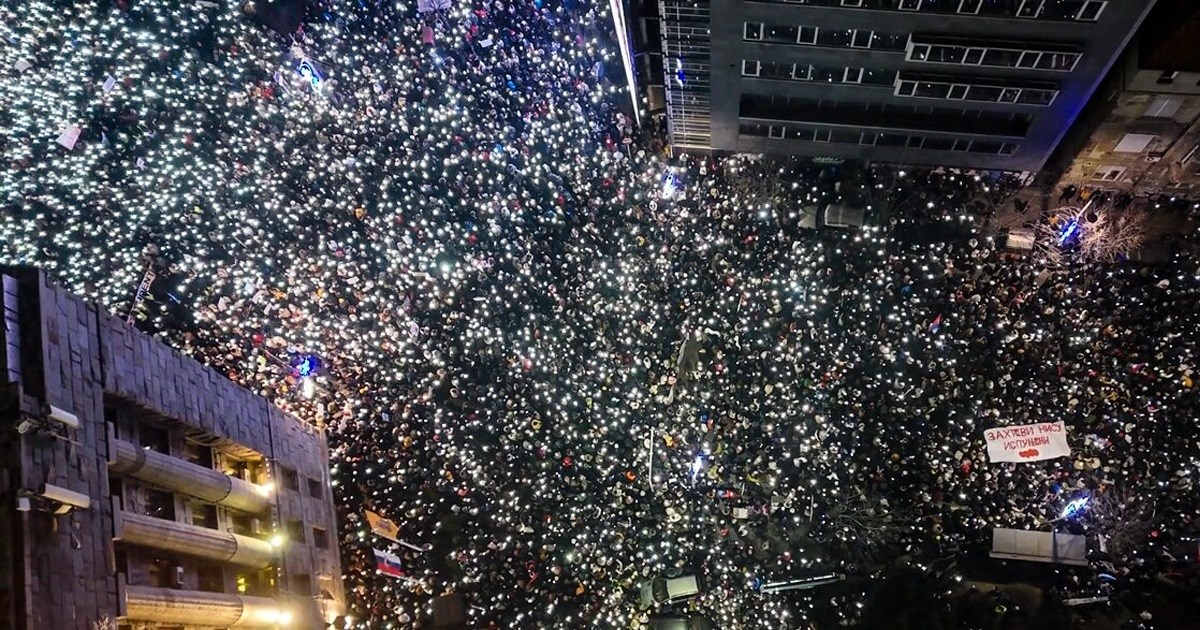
x=1144, y=134
x=990, y=84
x=140, y=489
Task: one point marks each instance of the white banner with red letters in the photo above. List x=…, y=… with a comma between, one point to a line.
x=1027, y=442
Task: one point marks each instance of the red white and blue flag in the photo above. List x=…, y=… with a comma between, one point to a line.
x=389, y=564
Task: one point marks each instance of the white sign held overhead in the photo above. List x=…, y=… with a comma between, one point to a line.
x=69, y=136
x=1027, y=443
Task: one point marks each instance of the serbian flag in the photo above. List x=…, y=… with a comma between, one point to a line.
x=935, y=324
x=388, y=564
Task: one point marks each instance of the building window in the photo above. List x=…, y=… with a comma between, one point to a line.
x=241, y=525
x=776, y=132
x=210, y=578
x=1009, y=148
x=868, y=138
x=1134, y=143
x=905, y=88
x=821, y=135
x=958, y=92
x=1037, y=97
x=1009, y=95
x=1029, y=59
x=1061, y=62
x=320, y=538
x=910, y=5
x=915, y=142
x=802, y=72
x=752, y=31
x=1167, y=77
x=154, y=438
x=807, y=35
x=1108, y=173
x=852, y=75
x=158, y=503
x=1091, y=10
x=861, y=39
x=314, y=488
x=962, y=145
x=295, y=532
x=1163, y=107
x=852, y=3
x=973, y=56
x=198, y=454
x=969, y=6
x=291, y=480
x=937, y=144
x=1030, y=8
x=750, y=68
x=204, y=515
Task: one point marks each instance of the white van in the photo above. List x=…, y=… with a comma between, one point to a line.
x=668, y=590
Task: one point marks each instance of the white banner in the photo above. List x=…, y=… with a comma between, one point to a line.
x=1027, y=443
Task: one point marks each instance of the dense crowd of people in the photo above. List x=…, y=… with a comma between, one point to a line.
x=563, y=361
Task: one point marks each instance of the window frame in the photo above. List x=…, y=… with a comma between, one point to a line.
x=961, y=145
x=807, y=75
x=816, y=32
x=903, y=86
x=901, y=6
x=1012, y=148
x=1036, y=56
x=854, y=38
x=757, y=68
x=981, y=50
x=771, y=132
x=854, y=4
x=1013, y=94
x=1089, y=3
x=862, y=137
x=977, y=3
x=818, y=133
x=1037, y=13
x=746, y=31
x=959, y=86
x=846, y=75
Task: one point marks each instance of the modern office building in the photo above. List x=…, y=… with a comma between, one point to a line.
x=990, y=84
x=140, y=489
x=1142, y=134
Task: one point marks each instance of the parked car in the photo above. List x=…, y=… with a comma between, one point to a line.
x=662, y=590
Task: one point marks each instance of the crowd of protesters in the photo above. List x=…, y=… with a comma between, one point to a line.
x=565, y=362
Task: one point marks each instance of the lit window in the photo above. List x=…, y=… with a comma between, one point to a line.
x=1030, y=8
x=807, y=35
x=969, y=6
x=910, y=5
x=1108, y=173
x=750, y=68
x=861, y=38
x=1091, y=10
x=752, y=31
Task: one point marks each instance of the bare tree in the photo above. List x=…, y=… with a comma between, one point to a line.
x=1093, y=235
x=863, y=527
x=1124, y=518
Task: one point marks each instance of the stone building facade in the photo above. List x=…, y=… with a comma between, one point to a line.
x=140, y=487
